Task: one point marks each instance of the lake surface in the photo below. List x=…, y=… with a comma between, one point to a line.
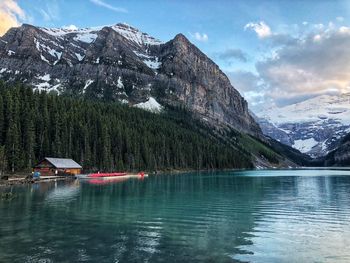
x=250, y=216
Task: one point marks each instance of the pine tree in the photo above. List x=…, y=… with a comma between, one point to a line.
x=12, y=141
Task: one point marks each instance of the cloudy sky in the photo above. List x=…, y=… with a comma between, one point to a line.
x=274, y=52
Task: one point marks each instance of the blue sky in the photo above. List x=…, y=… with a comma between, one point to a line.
x=250, y=40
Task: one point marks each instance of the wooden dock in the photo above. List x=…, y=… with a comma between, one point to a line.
x=42, y=179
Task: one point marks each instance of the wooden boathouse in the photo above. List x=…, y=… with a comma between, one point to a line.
x=58, y=166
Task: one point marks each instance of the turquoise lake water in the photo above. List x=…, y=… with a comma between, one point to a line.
x=249, y=216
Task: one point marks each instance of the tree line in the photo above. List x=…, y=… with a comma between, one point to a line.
x=102, y=136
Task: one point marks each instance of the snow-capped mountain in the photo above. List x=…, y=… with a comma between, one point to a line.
x=121, y=63
x=313, y=126
x=88, y=35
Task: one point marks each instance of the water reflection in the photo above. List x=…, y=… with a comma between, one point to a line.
x=220, y=217
x=307, y=220
x=63, y=194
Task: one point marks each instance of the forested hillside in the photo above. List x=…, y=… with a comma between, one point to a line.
x=340, y=156
x=103, y=136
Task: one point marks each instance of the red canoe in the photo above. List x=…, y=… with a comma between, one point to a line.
x=97, y=175
x=98, y=181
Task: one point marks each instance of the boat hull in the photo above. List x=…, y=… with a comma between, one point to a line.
x=110, y=176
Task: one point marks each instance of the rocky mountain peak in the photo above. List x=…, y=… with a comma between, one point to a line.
x=181, y=38
x=121, y=63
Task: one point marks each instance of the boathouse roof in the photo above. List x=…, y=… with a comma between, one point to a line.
x=63, y=163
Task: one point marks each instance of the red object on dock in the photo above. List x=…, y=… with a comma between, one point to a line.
x=97, y=175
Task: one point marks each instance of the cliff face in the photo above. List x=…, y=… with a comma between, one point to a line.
x=123, y=64
x=202, y=86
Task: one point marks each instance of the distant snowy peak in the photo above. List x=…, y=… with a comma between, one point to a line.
x=88, y=35
x=316, y=109
x=314, y=126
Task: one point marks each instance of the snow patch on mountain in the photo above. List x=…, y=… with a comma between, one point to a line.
x=153, y=64
x=305, y=145
x=151, y=61
x=44, y=59
x=45, y=77
x=59, y=32
x=42, y=86
x=79, y=57
x=86, y=37
x=120, y=83
x=135, y=35
x=42, y=47
x=87, y=84
x=46, y=87
x=150, y=105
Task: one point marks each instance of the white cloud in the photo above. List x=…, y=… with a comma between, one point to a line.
x=318, y=63
x=108, y=6
x=260, y=28
x=317, y=38
x=344, y=30
x=200, y=37
x=297, y=65
x=10, y=14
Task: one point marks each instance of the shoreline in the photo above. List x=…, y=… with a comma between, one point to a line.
x=19, y=179
x=180, y=171
x=15, y=180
